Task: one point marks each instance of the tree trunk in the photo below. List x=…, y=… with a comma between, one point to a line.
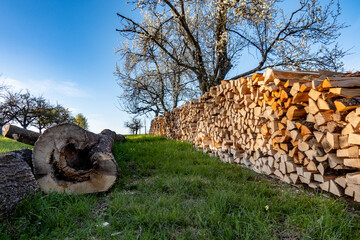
x=21, y=134
x=16, y=179
x=71, y=159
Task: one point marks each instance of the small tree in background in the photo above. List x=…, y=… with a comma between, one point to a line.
x=7, y=100
x=22, y=107
x=5, y=116
x=43, y=114
x=27, y=110
x=81, y=120
x=47, y=115
x=61, y=115
x=134, y=125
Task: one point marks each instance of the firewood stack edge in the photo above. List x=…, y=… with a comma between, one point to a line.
x=301, y=127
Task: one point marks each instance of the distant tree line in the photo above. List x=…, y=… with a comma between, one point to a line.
x=24, y=109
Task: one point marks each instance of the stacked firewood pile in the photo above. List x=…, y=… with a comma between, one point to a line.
x=301, y=127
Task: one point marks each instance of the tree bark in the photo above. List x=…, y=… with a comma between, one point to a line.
x=21, y=134
x=69, y=159
x=120, y=138
x=16, y=179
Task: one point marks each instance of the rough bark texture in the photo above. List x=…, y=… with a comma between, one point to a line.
x=68, y=158
x=120, y=138
x=21, y=134
x=16, y=179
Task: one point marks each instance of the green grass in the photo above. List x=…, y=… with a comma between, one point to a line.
x=168, y=190
x=7, y=145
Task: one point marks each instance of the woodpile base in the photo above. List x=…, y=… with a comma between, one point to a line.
x=301, y=127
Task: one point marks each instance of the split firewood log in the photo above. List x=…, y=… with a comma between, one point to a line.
x=16, y=179
x=298, y=126
x=271, y=74
x=69, y=159
x=21, y=135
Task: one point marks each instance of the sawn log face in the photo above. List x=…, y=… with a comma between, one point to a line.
x=71, y=159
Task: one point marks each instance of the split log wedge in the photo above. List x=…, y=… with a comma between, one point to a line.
x=69, y=159
x=21, y=135
x=16, y=180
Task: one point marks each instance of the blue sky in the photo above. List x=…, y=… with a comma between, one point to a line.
x=64, y=50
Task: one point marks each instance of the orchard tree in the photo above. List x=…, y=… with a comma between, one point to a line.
x=22, y=107
x=153, y=84
x=47, y=115
x=5, y=117
x=44, y=114
x=208, y=38
x=134, y=125
x=7, y=102
x=27, y=110
x=3, y=86
x=7, y=111
x=60, y=114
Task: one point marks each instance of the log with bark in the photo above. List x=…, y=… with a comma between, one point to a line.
x=69, y=159
x=120, y=138
x=16, y=179
x=21, y=135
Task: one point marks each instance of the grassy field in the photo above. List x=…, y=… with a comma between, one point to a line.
x=168, y=190
x=7, y=145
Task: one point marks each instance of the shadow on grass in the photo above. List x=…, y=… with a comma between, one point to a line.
x=169, y=190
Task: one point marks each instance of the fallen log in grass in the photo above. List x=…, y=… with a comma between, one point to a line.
x=16, y=179
x=21, y=135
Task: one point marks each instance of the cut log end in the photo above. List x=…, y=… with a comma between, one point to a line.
x=71, y=159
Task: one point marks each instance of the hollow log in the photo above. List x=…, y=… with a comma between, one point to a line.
x=21, y=134
x=16, y=179
x=69, y=159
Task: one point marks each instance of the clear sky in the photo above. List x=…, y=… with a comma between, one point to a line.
x=64, y=50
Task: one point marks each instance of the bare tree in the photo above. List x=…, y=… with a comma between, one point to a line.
x=6, y=114
x=134, y=125
x=4, y=117
x=209, y=37
x=330, y=59
x=21, y=107
x=27, y=110
x=3, y=86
